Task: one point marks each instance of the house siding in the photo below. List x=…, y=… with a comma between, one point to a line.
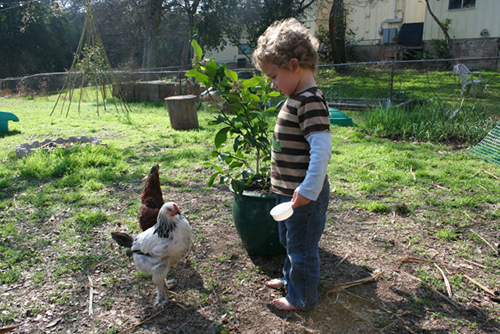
x=466, y=23
x=368, y=21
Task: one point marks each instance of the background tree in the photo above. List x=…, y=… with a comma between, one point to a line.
x=153, y=12
x=38, y=36
x=448, y=51
x=43, y=36
x=235, y=22
x=121, y=27
x=334, y=32
x=337, y=31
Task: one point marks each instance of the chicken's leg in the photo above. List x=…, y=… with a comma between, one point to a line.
x=163, y=294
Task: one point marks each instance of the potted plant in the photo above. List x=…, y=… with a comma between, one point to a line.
x=244, y=111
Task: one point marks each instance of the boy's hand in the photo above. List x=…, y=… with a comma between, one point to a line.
x=299, y=200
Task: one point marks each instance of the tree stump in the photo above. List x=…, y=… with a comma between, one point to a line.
x=182, y=112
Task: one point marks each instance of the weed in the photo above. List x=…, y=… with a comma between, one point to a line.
x=375, y=206
x=447, y=233
x=430, y=123
x=413, y=239
x=224, y=256
x=10, y=276
x=86, y=220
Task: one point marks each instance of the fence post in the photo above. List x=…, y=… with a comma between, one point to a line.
x=392, y=81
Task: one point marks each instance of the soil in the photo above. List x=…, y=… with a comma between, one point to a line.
x=221, y=288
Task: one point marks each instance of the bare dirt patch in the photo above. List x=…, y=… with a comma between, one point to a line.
x=220, y=288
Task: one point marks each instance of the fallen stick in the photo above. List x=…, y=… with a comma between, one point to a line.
x=91, y=296
x=4, y=330
x=392, y=324
x=486, y=241
x=452, y=302
x=367, y=300
x=337, y=287
x=410, y=259
x=411, y=171
x=143, y=322
x=441, y=187
x=481, y=286
x=356, y=314
x=446, y=282
x=496, y=177
x=477, y=264
x=345, y=257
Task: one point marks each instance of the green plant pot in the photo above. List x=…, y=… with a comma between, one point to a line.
x=255, y=226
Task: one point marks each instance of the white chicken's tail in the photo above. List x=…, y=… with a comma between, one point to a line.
x=123, y=239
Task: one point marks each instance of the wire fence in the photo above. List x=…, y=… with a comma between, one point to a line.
x=351, y=86
x=373, y=84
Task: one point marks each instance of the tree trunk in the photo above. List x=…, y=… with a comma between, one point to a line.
x=447, y=38
x=153, y=17
x=191, y=9
x=336, y=27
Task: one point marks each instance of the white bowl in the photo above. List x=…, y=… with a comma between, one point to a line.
x=282, y=211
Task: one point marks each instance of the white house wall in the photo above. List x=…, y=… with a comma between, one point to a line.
x=367, y=21
x=228, y=55
x=466, y=23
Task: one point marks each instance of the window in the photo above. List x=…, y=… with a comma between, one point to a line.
x=459, y=4
x=244, y=49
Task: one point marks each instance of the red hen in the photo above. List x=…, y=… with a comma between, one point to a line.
x=152, y=200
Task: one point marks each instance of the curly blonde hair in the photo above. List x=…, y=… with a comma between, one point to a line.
x=284, y=40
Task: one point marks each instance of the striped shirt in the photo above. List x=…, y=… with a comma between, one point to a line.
x=303, y=114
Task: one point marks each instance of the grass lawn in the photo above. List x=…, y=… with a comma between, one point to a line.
x=423, y=213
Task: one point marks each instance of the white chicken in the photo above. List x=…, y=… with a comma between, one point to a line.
x=160, y=247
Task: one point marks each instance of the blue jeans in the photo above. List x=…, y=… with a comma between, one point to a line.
x=300, y=235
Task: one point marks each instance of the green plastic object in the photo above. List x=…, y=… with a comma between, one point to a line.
x=489, y=147
x=5, y=117
x=337, y=117
x=255, y=225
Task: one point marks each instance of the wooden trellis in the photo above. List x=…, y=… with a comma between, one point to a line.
x=90, y=66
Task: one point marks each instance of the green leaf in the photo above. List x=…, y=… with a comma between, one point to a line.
x=235, y=164
x=234, y=98
x=256, y=112
x=254, y=97
x=236, y=144
x=224, y=156
x=211, y=68
x=246, y=174
x=191, y=73
x=231, y=74
x=221, y=137
x=212, y=179
x=201, y=77
x=197, y=50
x=249, y=83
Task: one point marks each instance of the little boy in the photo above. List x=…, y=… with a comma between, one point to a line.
x=301, y=149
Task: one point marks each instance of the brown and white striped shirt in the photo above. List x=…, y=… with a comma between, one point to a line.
x=302, y=114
